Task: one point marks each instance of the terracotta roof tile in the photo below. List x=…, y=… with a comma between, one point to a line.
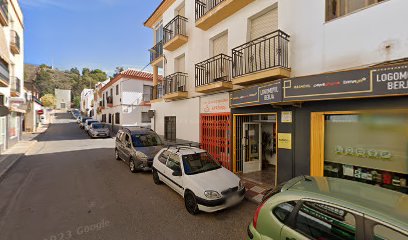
x=131, y=73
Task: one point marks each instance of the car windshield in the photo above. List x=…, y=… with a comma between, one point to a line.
x=146, y=140
x=98, y=126
x=199, y=163
x=90, y=122
x=84, y=119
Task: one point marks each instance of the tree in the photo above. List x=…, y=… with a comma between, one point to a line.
x=48, y=100
x=77, y=101
x=118, y=70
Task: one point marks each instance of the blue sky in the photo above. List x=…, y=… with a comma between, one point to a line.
x=88, y=33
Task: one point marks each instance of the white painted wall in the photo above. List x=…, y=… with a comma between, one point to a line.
x=187, y=114
x=355, y=40
x=63, y=96
x=87, y=98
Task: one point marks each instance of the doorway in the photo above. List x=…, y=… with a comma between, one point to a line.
x=255, y=152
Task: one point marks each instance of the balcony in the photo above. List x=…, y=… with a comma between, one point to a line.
x=157, y=93
x=174, y=86
x=263, y=59
x=15, y=42
x=210, y=12
x=4, y=12
x=175, y=33
x=109, y=101
x=156, y=54
x=213, y=74
x=15, y=87
x=4, y=74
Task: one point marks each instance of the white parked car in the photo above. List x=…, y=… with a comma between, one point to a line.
x=98, y=130
x=195, y=175
x=88, y=122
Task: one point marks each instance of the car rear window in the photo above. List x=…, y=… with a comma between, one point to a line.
x=283, y=210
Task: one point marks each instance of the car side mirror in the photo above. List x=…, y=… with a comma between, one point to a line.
x=177, y=173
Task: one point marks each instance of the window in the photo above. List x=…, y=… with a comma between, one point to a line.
x=386, y=233
x=117, y=118
x=283, y=210
x=104, y=118
x=163, y=157
x=170, y=128
x=159, y=33
x=117, y=89
x=111, y=92
x=146, y=140
x=338, y=8
x=173, y=162
x=147, y=93
x=320, y=221
x=1, y=100
x=146, y=118
x=127, y=138
x=110, y=118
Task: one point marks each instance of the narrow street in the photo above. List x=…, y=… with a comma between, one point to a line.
x=69, y=186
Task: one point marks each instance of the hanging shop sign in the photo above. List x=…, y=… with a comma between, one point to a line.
x=257, y=95
x=370, y=82
x=218, y=103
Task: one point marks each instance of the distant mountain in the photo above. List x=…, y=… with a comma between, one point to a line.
x=46, y=79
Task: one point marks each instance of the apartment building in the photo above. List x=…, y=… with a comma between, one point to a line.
x=277, y=89
x=87, y=102
x=12, y=101
x=126, y=98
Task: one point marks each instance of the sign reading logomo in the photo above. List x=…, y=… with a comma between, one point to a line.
x=390, y=80
x=257, y=95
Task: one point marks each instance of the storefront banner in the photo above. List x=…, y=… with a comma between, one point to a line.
x=218, y=103
x=257, y=95
x=370, y=82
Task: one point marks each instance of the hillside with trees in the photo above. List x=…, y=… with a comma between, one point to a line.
x=46, y=79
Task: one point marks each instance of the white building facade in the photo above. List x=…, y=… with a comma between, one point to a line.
x=126, y=98
x=291, y=72
x=87, y=101
x=12, y=100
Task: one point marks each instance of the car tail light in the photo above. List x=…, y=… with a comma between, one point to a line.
x=255, y=221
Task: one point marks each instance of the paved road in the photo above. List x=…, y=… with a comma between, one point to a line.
x=71, y=187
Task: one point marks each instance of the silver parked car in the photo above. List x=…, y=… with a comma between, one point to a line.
x=97, y=130
x=87, y=124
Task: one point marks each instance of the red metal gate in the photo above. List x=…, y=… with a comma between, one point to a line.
x=216, y=136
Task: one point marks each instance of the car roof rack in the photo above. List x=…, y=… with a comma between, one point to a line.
x=180, y=146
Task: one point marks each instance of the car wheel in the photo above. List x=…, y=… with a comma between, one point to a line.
x=156, y=178
x=132, y=166
x=117, y=155
x=191, y=203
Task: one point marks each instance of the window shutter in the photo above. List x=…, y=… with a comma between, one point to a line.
x=180, y=64
x=264, y=24
x=220, y=45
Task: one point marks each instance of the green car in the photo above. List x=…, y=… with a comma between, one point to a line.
x=330, y=208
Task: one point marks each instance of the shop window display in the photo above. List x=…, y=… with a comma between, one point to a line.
x=370, y=148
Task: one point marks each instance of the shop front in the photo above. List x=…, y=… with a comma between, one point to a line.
x=255, y=132
x=215, y=127
x=350, y=124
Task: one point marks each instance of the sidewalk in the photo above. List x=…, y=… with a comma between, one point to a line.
x=12, y=155
x=255, y=190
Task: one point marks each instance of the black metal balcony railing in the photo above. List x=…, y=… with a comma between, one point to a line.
x=215, y=69
x=15, y=39
x=15, y=85
x=202, y=7
x=4, y=71
x=4, y=8
x=175, y=82
x=266, y=52
x=157, y=91
x=175, y=27
x=156, y=51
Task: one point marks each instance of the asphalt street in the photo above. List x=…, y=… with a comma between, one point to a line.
x=69, y=186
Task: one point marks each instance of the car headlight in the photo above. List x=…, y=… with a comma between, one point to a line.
x=212, y=194
x=240, y=185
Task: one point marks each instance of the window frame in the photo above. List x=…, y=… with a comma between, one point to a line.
x=117, y=89
x=359, y=217
x=117, y=118
x=146, y=114
x=339, y=11
x=371, y=222
x=162, y=155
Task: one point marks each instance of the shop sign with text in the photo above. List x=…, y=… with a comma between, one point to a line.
x=218, y=103
x=257, y=95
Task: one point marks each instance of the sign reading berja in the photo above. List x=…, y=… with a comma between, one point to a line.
x=392, y=80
